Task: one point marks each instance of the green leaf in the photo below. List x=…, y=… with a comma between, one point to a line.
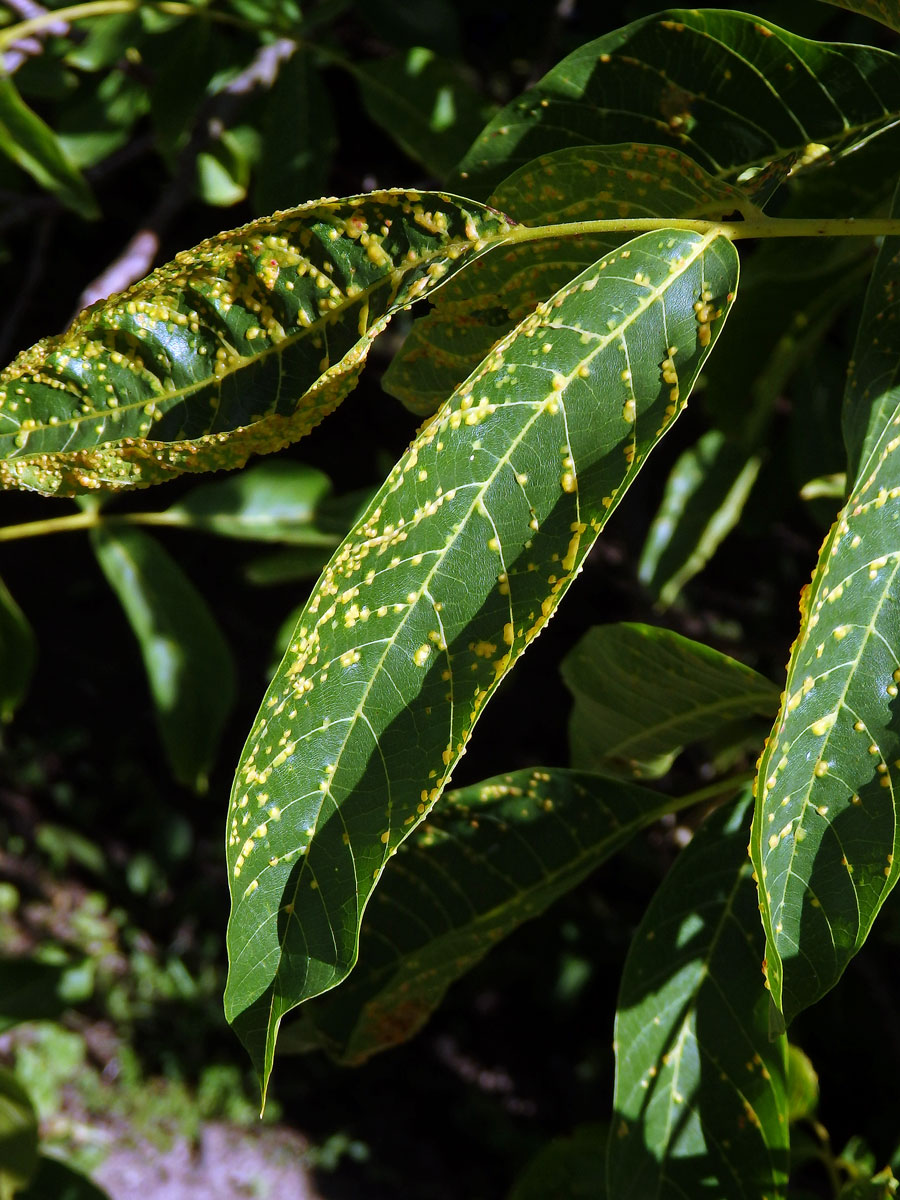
x=425, y=102
x=700, y=1102
x=274, y=501
x=55, y=1180
x=571, y=1167
x=884, y=11
x=18, y=1136
x=489, y=857
x=825, y=842
x=642, y=693
x=486, y=301
x=882, y=1186
x=298, y=137
x=17, y=654
x=802, y=1085
x=705, y=495
x=34, y=147
x=188, y=662
x=459, y=562
x=732, y=91
x=239, y=346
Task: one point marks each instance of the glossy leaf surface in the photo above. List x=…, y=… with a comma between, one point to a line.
x=643, y=692
x=237, y=347
x=487, y=859
x=825, y=840
x=732, y=91
x=458, y=563
x=487, y=300
x=700, y=1102
x=188, y=662
x=17, y=654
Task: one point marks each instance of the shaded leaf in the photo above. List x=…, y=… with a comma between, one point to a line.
x=642, y=693
x=486, y=301
x=35, y=991
x=55, y=1180
x=700, y=1102
x=489, y=857
x=298, y=137
x=732, y=91
x=425, y=102
x=18, y=651
x=882, y=1186
x=802, y=1085
x=34, y=147
x=573, y=1167
x=274, y=501
x=879, y=10
x=238, y=346
x=461, y=559
x=704, y=497
x=825, y=842
x=18, y=1135
x=188, y=662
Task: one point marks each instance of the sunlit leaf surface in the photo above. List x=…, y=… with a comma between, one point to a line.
x=456, y=566
x=238, y=346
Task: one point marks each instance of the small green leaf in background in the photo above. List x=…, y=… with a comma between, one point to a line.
x=31, y=990
x=701, y=1103
x=18, y=651
x=274, y=501
x=802, y=1085
x=704, y=497
x=643, y=692
x=568, y=1167
x=489, y=857
x=33, y=146
x=223, y=171
x=18, y=1136
x=237, y=347
x=882, y=1186
x=464, y=554
x=188, y=662
x=425, y=102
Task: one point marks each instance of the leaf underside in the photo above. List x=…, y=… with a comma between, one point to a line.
x=825, y=840
x=700, y=1101
x=237, y=347
x=458, y=563
x=732, y=91
x=488, y=858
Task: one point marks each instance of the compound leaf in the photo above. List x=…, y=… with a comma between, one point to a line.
x=643, y=692
x=825, y=832
x=732, y=91
x=237, y=347
x=458, y=563
x=701, y=1099
x=489, y=857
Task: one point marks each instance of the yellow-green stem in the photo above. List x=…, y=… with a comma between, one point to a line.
x=763, y=227
x=106, y=8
